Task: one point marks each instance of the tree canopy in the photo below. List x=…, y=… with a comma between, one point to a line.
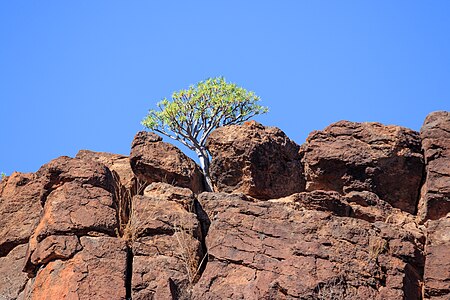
x=193, y=113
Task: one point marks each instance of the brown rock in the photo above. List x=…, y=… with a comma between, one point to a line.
x=95, y=272
x=166, y=245
x=20, y=208
x=437, y=264
x=435, y=133
x=12, y=279
x=118, y=164
x=155, y=161
x=347, y=156
x=287, y=249
x=259, y=161
x=78, y=200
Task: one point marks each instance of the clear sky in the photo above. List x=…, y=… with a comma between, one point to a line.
x=82, y=74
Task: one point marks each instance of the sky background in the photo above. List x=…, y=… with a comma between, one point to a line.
x=82, y=74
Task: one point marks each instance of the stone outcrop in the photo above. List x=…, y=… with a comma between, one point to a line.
x=348, y=156
x=305, y=246
x=437, y=265
x=259, y=161
x=435, y=133
x=152, y=160
x=166, y=242
x=357, y=212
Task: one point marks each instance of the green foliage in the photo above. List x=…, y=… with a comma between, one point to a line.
x=3, y=175
x=192, y=114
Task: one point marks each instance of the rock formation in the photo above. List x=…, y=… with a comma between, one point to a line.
x=360, y=211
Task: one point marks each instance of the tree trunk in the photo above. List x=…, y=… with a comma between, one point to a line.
x=204, y=164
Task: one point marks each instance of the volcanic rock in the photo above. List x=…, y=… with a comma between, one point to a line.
x=166, y=242
x=435, y=133
x=348, y=156
x=285, y=249
x=259, y=161
x=437, y=264
x=152, y=160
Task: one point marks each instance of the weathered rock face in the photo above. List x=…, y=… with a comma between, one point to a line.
x=79, y=229
x=305, y=247
x=437, y=264
x=166, y=242
x=73, y=252
x=259, y=161
x=155, y=161
x=435, y=133
x=385, y=160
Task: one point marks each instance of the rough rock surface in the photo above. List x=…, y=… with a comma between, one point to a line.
x=348, y=156
x=167, y=248
x=73, y=252
x=437, y=265
x=118, y=164
x=260, y=250
x=259, y=161
x=435, y=133
x=152, y=160
x=359, y=232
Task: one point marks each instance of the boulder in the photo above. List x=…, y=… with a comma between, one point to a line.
x=435, y=196
x=437, y=264
x=384, y=160
x=153, y=160
x=20, y=209
x=259, y=161
x=116, y=163
x=96, y=271
x=12, y=279
x=166, y=242
x=304, y=247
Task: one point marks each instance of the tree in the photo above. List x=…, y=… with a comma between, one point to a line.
x=192, y=114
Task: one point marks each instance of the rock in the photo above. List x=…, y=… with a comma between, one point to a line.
x=167, y=250
x=78, y=200
x=435, y=133
x=259, y=161
x=348, y=156
x=12, y=279
x=155, y=161
x=437, y=264
x=97, y=271
x=20, y=208
x=118, y=164
x=282, y=249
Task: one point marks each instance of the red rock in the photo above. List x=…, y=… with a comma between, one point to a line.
x=97, y=271
x=20, y=208
x=167, y=249
x=284, y=249
x=437, y=264
x=347, y=156
x=435, y=133
x=155, y=161
x=259, y=161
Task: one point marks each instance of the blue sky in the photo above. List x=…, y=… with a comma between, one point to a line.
x=82, y=74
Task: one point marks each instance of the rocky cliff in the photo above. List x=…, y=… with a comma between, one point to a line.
x=359, y=211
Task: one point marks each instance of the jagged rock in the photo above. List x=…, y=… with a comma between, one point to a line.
x=259, y=161
x=118, y=164
x=78, y=200
x=166, y=236
x=97, y=271
x=435, y=133
x=348, y=156
x=20, y=208
x=152, y=160
x=437, y=264
x=12, y=279
x=286, y=248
